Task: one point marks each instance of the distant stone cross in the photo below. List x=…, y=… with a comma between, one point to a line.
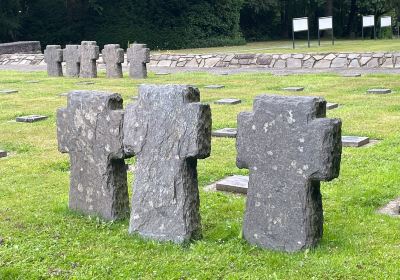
x=72, y=58
x=289, y=147
x=89, y=55
x=113, y=57
x=90, y=130
x=138, y=55
x=167, y=130
x=53, y=56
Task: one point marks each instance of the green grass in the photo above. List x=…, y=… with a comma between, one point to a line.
x=302, y=47
x=42, y=239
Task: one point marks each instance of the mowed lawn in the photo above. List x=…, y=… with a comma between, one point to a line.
x=280, y=47
x=41, y=238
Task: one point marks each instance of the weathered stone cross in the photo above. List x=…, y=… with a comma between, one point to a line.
x=89, y=54
x=167, y=130
x=113, y=57
x=72, y=58
x=53, y=56
x=90, y=130
x=289, y=147
x=138, y=55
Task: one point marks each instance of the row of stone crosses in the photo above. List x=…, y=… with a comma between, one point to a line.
x=81, y=60
x=286, y=143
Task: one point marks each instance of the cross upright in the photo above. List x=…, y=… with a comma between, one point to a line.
x=138, y=55
x=167, y=130
x=289, y=147
x=113, y=57
x=53, y=56
x=72, y=58
x=89, y=55
x=90, y=130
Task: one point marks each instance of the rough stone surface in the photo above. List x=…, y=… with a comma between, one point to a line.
x=293, y=89
x=289, y=147
x=379, y=91
x=90, y=129
x=89, y=55
x=72, y=58
x=225, y=132
x=354, y=141
x=8, y=91
x=29, y=47
x=30, y=118
x=3, y=154
x=138, y=55
x=167, y=130
x=235, y=184
x=113, y=57
x=391, y=209
x=53, y=56
x=228, y=101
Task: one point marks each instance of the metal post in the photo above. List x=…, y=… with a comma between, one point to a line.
x=308, y=32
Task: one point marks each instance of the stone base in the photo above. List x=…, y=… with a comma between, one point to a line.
x=379, y=91
x=234, y=184
x=225, y=132
x=354, y=141
x=331, y=106
x=31, y=118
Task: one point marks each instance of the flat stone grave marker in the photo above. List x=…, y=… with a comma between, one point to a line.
x=331, y=106
x=84, y=83
x=3, y=154
x=225, y=132
x=162, y=73
x=214, y=86
x=354, y=141
x=30, y=118
x=8, y=91
x=33, y=82
x=293, y=88
x=351, y=75
x=235, y=184
x=379, y=91
x=228, y=101
x=391, y=209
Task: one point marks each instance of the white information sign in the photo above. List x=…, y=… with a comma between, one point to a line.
x=300, y=24
x=386, y=21
x=325, y=23
x=368, y=21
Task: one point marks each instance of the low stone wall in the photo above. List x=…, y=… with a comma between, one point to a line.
x=26, y=47
x=273, y=61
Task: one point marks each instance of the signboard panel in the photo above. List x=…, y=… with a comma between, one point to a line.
x=325, y=23
x=300, y=24
x=368, y=21
x=386, y=21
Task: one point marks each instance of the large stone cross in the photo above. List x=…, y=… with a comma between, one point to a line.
x=138, y=55
x=90, y=130
x=72, y=58
x=167, y=130
x=53, y=56
x=289, y=147
x=113, y=57
x=89, y=55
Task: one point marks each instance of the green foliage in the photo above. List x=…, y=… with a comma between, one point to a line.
x=9, y=19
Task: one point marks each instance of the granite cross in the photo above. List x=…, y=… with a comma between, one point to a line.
x=89, y=55
x=90, y=130
x=113, y=57
x=53, y=56
x=138, y=55
x=289, y=147
x=72, y=58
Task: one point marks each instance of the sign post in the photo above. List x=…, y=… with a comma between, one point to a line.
x=300, y=24
x=325, y=23
x=368, y=21
x=386, y=21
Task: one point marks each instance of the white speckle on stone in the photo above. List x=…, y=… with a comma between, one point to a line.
x=176, y=157
x=302, y=140
x=258, y=204
x=135, y=143
x=253, y=127
x=108, y=118
x=300, y=171
x=141, y=138
x=258, y=195
x=270, y=153
x=100, y=108
x=290, y=119
x=255, y=168
x=299, y=242
x=151, y=204
x=137, y=124
x=293, y=164
x=255, y=236
x=268, y=125
x=80, y=188
x=162, y=227
x=108, y=148
x=275, y=167
x=135, y=217
x=301, y=149
x=305, y=167
x=91, y=208
x=90, y=134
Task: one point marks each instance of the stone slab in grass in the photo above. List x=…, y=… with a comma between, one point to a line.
x=85, y=83
x=351, y=75
x=214, y=86
x=234, y=184
x=225, y=132
x=8, y=91
x=162, y=73
x=3, y=154
x=379, y=91
x=33, y=82
x=228, y=101
x=31, y=118
x=354, y=141
x=293, y=88
x=391, y=209
x=331, y=106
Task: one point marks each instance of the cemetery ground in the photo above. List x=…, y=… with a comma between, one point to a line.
x=40, y=238
x=281, y=47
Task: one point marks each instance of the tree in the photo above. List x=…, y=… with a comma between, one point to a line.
x=9, y=19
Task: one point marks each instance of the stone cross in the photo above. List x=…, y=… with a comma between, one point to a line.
x=289, y=147
x=72, y=58
x=113, y=57
x=89, y=55
x=167, y=130
x=53, y=56
x=90, y=130
x=138, y=55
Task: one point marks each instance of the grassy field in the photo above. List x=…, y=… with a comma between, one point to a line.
x=302, y=47
x=42, y=239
